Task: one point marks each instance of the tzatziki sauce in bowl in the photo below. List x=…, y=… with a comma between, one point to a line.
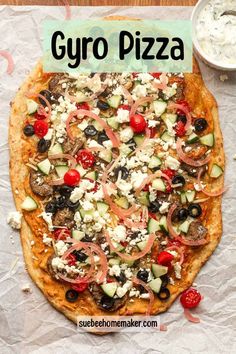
x=214, y=34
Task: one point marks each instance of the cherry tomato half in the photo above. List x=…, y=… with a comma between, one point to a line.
x=169, y=172
x=138, y=123
x=72, y=177
x=61, y=234
x=183, y=103
x=164, y=258
x=83, y=105
x=190, y=298
x=39, y=116
x=40, y=128
x=156, y=75
x=80, y=287
x=125, y=106
x=71, y=259
x=85, y=158
x=180, y=129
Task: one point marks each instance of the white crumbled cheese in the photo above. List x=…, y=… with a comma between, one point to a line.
x=134, y=292
x=164, y=207
x=47, y=240
x=88, y=218
x=139, y=91
x=93, y=143
x=47, y=217
x=77, y=218
x=198, y=187
x=122, y=115
x=145, y=78
x=107, y=144
x=114, y=270
x=48, y=136
x=137, y=178
x=119, y=233
x=128, y=273
x=94, y=83
x=144, y=296
x=126, y=134
x=58, y=263
x=118, y=91
x=152, y=194
x=61, y=247
x=152, y=123
x=172, y=163
x=177, y=269
x=123, y=185
x=224, y=77
x=122, y=290
x=83, y=125
x=86, y=205
x=76, y=194
x=14, y=219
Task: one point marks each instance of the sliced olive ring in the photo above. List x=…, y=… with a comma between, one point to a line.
x=123, y=171
x=200, y=124
x=182, y=214
x=90, y=130
x=143, y=275
x=154, y=206
x=107, y=302
x=28, y=130
x=72, y=295
x=165, y=281
x=164, y=294
x=178, y=180
x=80, y=256
x=194, y=210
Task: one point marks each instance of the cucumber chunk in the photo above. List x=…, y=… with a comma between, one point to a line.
x=29, y=204
x=112, y=121
x=153, y=226
x=122, y=202
x=159, y=107
x=158, y=184
x=61, y=170
x=102, y=208
x=183, y=198
x=192, y=138
x=167, y=137
x=163, y=224
x=125, y=150
x=141, y=245
x=154, y=162
x=190, y=195
x=118, y=246
x=114, y=261
x=92, y=175
x=155, y=285
x=106, y=155
x=109, y=288
x=184, y=226
x=55, y=149
x=81, y=170
x=139, y=139
x=114, y=101
x=159, y=270
x=216, y=171
x=208, y=139
x=98, y=126
x=83, y=212
x=77, y=235
x=172, y=117
x=32, y=106
x=44, y=166
x=143, y=198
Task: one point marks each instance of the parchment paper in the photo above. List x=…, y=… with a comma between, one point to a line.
x=28, y=324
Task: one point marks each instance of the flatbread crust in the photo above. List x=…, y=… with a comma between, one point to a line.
x=200, y=100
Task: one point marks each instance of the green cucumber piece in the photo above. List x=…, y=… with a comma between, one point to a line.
x=207, y=140
x=112, y=122
x=163, y=224
x=109, y=288
x=184, y=226
x=81, y=170
x=122, y=202
x=143, y=198
x=77, y=235
x=159, y=107
x=98, y=126
x=190, y=195
x=114, y=101
x=86, y=212
x=155, y=285
x=141, y=245
x=61, y=170
x=44, y=166
x=130, y=263
x=114, y=261
x=192, y=138
x=153, y=226
x=216, y=171
x=118, y=246
x=32, y=106
x=55, y=149
x=158, y=184
x=92, y=175
x=172, y=117
x=106, y=155
x=139, y=139
x=29, y=204
x=167, y=137
x=183, y=198
x=154, y=162
x=102, y=208
x=125, y=150
x=159, y=270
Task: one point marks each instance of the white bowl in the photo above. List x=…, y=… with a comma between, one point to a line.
x=206, y=58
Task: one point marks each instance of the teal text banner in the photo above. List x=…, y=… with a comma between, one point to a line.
x=117, y=46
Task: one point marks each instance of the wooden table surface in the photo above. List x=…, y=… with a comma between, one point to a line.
x=103, y=2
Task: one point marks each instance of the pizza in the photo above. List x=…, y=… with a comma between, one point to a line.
x=119, y=178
